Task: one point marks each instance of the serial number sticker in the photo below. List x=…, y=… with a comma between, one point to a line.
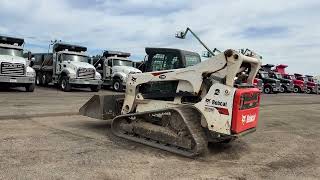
x=13, y=80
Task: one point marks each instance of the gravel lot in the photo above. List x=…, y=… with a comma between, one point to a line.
x=42, y=137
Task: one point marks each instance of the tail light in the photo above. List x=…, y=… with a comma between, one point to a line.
x=245, y=109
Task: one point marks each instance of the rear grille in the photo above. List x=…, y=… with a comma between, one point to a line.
x=86, y=73
x=12, y=69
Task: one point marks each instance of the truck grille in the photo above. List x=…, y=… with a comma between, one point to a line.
x=278, y=84
x=12, y=69
x=291, y=84
x=86, y=73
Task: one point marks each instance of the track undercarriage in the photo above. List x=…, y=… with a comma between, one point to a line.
x=176, y=130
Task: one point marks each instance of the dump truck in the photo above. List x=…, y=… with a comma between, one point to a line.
x=270, y=85
x=287, y=85
x=14, y=68
x=312, y=86
x=298, y=85
x=114, y=66
x=67, y=66
x=205, y=105
x=303, y=80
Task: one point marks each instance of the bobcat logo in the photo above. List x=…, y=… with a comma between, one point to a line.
x=248, y=118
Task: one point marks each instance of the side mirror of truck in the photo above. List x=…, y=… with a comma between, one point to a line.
x=99, y=65
x=29, y=55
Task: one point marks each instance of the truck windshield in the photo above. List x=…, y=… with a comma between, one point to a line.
x=291, y=77
x=119, y=62
x=192, y=60
x=264, y=75
x=72, y=57
x=279, y=76
x=11, y=52
x=310, y=79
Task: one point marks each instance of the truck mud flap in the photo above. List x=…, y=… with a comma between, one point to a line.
x=102, y=106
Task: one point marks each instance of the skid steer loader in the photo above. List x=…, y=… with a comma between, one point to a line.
x=205, y=106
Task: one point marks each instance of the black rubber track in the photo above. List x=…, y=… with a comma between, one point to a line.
x=191, y=118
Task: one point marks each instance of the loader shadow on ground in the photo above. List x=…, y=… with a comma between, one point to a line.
x=226, y=151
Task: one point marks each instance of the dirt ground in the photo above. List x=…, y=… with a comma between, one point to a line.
x=42, y=137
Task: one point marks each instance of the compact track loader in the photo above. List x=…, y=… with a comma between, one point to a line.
x=204, y=106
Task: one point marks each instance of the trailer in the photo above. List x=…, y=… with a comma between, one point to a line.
x=67, y=66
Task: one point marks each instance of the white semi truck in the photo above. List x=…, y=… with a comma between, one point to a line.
x=67, y=66
x=14, y=69
x=115, y=66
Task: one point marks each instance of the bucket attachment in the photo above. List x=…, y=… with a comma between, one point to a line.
x=102, y=107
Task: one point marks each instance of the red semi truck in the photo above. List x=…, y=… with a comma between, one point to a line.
x=300, y=86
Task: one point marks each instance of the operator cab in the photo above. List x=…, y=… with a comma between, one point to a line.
x=161, y=59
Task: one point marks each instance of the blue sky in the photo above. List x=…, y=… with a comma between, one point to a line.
x=281, y=31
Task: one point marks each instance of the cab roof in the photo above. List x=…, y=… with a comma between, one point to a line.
x=11, y=40
x=62, y=46
x=152, y=50
x=116, y=53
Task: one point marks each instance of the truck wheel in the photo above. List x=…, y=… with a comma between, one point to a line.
x=282, y=90
x=44, y=80
x=296, y=90
x=95, y=88
x=30, y=87
x=309, y=91
x=64, y=84
x=267, y=90
x=117, y=85
x=38, y=79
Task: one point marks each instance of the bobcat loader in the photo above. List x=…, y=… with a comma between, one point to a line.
x=205, y=105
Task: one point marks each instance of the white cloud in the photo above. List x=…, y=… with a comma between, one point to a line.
x=131, y=25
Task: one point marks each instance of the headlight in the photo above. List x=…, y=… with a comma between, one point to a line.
x=72, y=75
x=31, y=74
x=273, y=84
x=98, y=76
x=288, y=84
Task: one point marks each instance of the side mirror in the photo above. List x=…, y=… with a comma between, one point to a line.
x=180, y=35
x=99, y=65
x=29, y=55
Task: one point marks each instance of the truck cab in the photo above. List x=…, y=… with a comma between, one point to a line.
x=312, y=86
x=302, y=81
x=270, y=85
x=115, y=66
x=286, y=84
x=14, y=68
x=67, y=66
